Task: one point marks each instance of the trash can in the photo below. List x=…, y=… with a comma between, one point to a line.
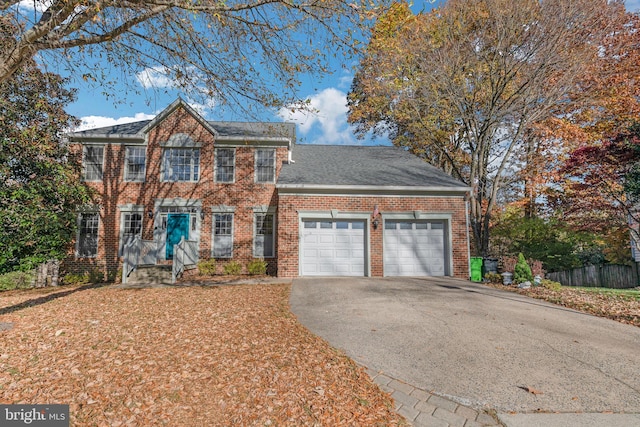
x=507, y=278
x=489, y=265
x=476, y=269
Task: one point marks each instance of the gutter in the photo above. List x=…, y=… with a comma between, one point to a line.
x=319, y=187
x=282, y=139
x=77, y=137
x=466, y=218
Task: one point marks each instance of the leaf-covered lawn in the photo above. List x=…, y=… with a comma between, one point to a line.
x=194, y=356
x=620, y=306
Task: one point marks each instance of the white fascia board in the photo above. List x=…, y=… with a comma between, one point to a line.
x=106, y=138
x=333, y=215
x=177, y=201
x=170, y=109
x=130, y=207
x=368, y=189
x=238, y=141
x=416, y=215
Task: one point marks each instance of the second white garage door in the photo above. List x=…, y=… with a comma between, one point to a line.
x=414, y=248
x=332, y=248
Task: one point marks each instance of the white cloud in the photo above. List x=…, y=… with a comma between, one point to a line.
x=37, y=5
x=92, y=122
x=325, y=114
x=160, y=78
x=202, y=108
x=345, y=81
x=154, y=78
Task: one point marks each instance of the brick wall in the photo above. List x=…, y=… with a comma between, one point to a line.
x=290, y=205
x=243, y=194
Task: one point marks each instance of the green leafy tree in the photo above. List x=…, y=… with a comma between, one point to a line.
x=229, y=49
x=40, y=188
x=550, y=240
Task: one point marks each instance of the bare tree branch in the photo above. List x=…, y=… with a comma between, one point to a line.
x=286, y=36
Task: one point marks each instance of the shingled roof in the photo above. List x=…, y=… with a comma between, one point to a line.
x=363, y=166
x=222, y=129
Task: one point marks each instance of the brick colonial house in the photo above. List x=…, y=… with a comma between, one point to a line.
x=242, y=191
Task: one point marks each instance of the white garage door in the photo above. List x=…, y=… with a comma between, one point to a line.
x=414, y=248
x=332, y=248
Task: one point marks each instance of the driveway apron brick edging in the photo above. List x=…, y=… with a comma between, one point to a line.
x=424, y=409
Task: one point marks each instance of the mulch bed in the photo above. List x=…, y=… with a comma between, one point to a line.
x=615, y=307
x=194, y=356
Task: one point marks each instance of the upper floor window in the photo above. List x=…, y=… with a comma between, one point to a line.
x=92, y=159
x=135, y=164
x=87, y=239
x=181, y=164
x=225, y=164
x=265, y=165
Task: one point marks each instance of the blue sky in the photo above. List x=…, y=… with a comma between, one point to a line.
x=327, y=96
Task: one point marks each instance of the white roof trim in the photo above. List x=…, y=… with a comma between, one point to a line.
x=121, y=137
x=381, y=188
x=282, y=139
x=170, y=109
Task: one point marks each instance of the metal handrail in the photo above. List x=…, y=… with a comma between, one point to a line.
x=131, y=254
x=184, y=253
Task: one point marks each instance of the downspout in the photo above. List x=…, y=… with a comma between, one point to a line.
x=466, y=218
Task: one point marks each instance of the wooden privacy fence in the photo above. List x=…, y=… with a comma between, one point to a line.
x=599, y=276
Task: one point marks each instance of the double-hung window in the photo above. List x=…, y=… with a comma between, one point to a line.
x=92, y=160
x=265, y=165
x=181, y=164
x=263, y=241
x=225, y=164
x=87, y=240
x=223, y=235
x=130, y=227
x=135, y=163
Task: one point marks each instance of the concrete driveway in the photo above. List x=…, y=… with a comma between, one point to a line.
x=478, y=345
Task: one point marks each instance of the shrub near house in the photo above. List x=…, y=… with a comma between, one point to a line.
x=522, y=272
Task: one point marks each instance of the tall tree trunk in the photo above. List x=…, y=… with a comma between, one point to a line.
x=531, y=152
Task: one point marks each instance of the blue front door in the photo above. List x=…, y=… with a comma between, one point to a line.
x=177, y=227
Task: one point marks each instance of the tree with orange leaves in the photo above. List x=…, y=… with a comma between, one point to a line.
x=466, y=85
